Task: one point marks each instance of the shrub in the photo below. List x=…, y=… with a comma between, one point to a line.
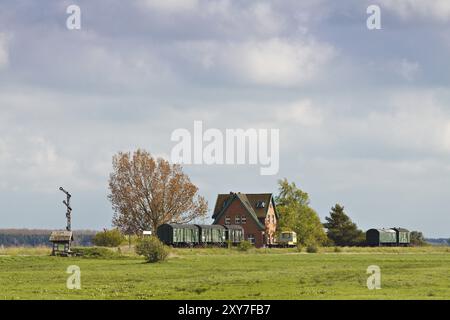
x=337, y=249
x=152, y=249
x=108, y=238
x=95, y=253
x=299, y=248
x=312, y=248
x=244, y=245
x=417, y=239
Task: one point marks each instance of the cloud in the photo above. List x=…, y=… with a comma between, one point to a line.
x=278, y=62
x=408, y=70
x=33, y=163
x=300, y=112
x=170, y=5
x=409, y=126
x=407, y=9
x=418, y=122
x=355, y=110
x=275, y=62
x=4, y=54
x=223, y=17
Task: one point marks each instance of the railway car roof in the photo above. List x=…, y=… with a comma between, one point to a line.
x=401, y=229
x=210, y=226
x=384, y=230
x=182, y=226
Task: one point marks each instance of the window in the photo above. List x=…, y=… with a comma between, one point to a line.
x=260, y=204
x=227, y=220
x=251, y=238
x=243, y=219
x=237, y=220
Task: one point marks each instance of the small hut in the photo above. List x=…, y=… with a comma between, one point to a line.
x=61, y=242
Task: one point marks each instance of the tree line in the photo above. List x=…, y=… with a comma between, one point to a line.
x=34, y=238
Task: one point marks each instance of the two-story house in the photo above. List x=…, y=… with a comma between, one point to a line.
x=256, y=213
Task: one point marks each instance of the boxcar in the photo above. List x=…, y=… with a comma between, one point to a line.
x=234, y=233
x=381, y=237
x=179, y=234
x=403, y=236
x=212, y=234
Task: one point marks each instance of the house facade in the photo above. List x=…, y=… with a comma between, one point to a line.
x=256, y=213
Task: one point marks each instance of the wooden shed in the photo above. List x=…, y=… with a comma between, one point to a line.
x=61, y=242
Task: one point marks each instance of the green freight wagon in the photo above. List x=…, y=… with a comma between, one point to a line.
x=381, y=237
x=178, y=235
x=234, y=234
x=403, y=236
x=212, y=234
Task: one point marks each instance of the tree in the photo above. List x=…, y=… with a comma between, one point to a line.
x=341, y=230
x=296, y=215
x=146, y=192
x=417, y=238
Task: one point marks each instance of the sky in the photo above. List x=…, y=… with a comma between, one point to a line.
x=364, y=115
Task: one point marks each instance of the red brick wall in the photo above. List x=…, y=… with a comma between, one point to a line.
x=250, y=227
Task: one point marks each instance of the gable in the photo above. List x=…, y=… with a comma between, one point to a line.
x=250, y=200
x=220, y=202
x=226, y=202
x=266, y=198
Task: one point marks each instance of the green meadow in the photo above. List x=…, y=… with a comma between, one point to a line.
x=406, y=273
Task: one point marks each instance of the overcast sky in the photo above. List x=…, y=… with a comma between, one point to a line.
x=364, y=116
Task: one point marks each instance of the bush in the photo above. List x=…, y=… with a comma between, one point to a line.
x=312, y=248
x=245, y=245
x=152, y=249
x=108, y=238
x=337, y=249
x=95, y=253
x=417, y=239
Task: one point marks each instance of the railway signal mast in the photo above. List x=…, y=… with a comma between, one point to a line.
x=62, y=240
x=69, y=209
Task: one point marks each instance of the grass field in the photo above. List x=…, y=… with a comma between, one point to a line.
x=407, y=273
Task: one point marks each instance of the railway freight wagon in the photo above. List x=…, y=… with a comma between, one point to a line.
x=212, y=234
x=179, y=235
x=403, y=236
x=381, y=237
x=234, y=234
x=388, y=237
x=189, y=235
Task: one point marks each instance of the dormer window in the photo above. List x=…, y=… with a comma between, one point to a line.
x=260, y=204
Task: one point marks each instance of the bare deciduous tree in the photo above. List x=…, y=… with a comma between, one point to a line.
x=147, y=192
